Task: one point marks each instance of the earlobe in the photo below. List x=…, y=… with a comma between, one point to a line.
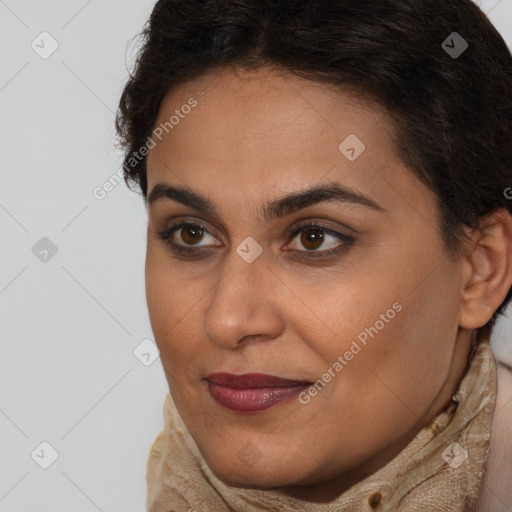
x=487, y=273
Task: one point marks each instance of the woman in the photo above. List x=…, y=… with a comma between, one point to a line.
x=329, y=244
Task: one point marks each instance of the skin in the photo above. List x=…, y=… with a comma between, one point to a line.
x=254, y=137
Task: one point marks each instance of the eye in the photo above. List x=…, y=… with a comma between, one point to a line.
x=314, y=237
x=190, y=234
x=186, y=239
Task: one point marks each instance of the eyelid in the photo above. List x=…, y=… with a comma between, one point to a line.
x=326, y=225
x=173, y=228
x=345, y=240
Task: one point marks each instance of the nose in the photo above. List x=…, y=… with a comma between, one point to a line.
x=244, y=304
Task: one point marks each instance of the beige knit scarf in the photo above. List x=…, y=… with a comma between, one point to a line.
x=441, y=469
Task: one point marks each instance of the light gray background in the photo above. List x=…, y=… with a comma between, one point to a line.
x=69, y=325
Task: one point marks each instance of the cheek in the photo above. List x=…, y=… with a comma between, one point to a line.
x=171, y=302
x=402, y=329
x=413, y=353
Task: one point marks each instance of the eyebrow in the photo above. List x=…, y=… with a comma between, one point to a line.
x=277, y=208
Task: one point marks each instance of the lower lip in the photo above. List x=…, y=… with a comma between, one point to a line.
x=253, y=400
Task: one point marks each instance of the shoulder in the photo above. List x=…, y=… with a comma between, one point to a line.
x=496, y=494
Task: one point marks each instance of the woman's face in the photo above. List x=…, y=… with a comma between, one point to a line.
x=349, y=289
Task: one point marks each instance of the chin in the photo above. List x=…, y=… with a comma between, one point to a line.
x=255, y=474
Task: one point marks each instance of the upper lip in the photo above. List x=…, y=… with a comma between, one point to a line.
x=252, y=380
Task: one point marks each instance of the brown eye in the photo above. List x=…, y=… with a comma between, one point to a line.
x=188, y=238
x=191, y=234
x=312, y=239
x=315, y=241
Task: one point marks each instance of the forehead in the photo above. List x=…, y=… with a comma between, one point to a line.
x=266, y=99
x=275, y=132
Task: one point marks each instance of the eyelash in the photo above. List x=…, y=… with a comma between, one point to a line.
x=178, y=249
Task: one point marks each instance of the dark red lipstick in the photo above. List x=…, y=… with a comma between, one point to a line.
x=252, y=392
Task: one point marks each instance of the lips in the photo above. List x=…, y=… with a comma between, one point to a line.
x=252, y=392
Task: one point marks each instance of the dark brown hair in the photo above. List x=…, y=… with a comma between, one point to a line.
x=452, y=113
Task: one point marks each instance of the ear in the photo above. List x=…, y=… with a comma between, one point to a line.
x=487, y=269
